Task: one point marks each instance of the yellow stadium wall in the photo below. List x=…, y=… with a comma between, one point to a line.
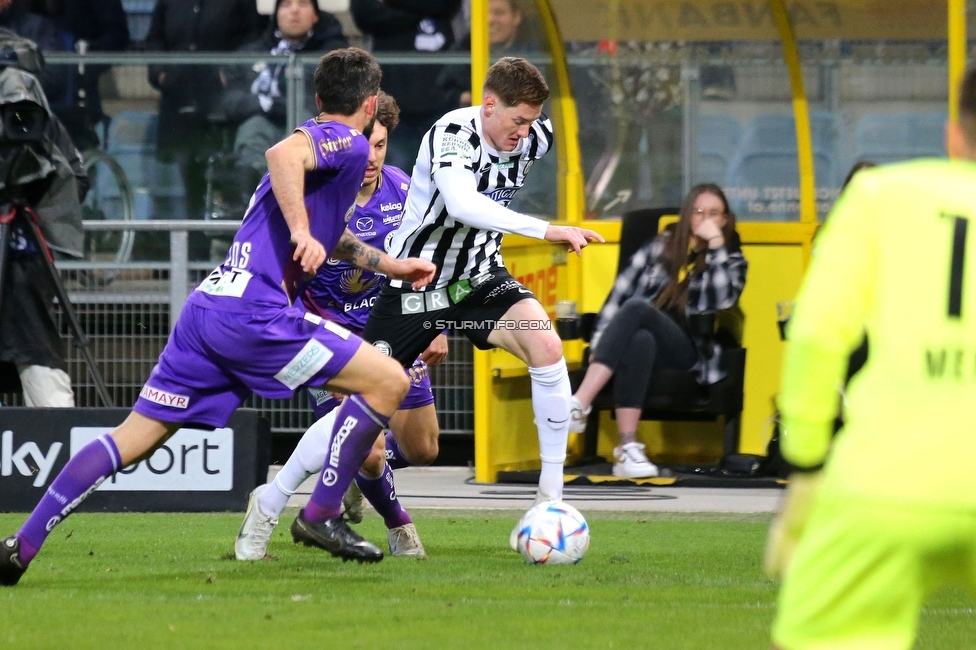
x=505, y=436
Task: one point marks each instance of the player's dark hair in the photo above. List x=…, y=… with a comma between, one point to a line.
x=967, y=106
x=345, y=78
x=516, y=81
x=674, y=297
x=387, y=111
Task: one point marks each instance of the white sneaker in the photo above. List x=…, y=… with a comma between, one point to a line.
x=354, y=503
x=577, y=416
x=252, y=541
x=405, y=542
x=632, y=462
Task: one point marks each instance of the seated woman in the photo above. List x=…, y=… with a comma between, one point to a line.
x=693, y=267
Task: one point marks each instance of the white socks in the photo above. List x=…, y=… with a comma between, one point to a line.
x=307, y=460
x=551, y=393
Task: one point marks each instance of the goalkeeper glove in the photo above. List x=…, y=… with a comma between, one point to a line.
x=788, y=525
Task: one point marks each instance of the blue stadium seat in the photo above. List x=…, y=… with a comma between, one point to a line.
x=132, y=142
x=763, y=180
x=718, y=137
x=890, y=137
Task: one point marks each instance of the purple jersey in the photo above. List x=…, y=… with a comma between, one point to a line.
x=259, y=266
x=345, y=293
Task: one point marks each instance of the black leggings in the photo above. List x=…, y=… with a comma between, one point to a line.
x=637, y=337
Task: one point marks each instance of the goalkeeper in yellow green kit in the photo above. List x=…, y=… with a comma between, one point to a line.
x=873, y=538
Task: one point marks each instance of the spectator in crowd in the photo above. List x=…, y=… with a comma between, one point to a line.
x=693, y=267
x=88, y=26
x=17, y=16
x=255, y=99
x=20, y=17
x=410, y=26
x=191, y=94
x=504, y=38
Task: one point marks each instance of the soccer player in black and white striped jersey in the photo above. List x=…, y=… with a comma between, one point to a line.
x=471, y=164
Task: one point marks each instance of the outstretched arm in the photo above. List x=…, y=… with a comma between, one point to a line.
x=287, y=163
x=351, y=249
x=469, y=206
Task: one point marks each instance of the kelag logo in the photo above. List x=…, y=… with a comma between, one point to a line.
x=193, y=460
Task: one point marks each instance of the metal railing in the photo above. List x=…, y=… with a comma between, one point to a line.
x=127, y=321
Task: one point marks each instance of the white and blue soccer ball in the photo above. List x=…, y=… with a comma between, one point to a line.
x=553, y=532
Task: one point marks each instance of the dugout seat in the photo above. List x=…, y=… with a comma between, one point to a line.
x=675, y=395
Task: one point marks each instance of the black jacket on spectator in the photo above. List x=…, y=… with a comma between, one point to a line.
x=240, y=103
x=44, y=32
x=410, y=26
x=190, y=94
x=37, y=27
x=102, y=25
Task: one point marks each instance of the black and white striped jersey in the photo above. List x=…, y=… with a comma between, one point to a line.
x=459, y=250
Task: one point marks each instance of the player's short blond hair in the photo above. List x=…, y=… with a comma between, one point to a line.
x=516, y=81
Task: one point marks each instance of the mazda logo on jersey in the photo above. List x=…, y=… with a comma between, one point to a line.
x=364, y=223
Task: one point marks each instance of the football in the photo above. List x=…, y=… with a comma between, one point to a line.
x=553, y=532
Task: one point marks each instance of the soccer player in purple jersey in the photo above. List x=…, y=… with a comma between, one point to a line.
x=239, y=333
x=343, y=293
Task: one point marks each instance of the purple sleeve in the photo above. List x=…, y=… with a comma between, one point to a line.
x=329, y=146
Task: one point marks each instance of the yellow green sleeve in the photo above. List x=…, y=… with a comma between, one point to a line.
x=827, y=325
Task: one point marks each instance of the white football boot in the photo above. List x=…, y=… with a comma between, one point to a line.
x=252, y=541
x=354, y=503
x=405, y=542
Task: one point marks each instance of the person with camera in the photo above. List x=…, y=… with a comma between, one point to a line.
x=41, y=178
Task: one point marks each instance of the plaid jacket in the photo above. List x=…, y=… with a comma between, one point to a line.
x=718, y=286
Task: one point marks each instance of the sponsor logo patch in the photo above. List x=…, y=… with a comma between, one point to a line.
x=304, y=365
x=364, y=223
x=454, y=145
x=340, y=437
x=503, y=194
x=162, y=397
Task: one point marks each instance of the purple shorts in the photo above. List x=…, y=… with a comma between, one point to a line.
x=420, y=393
x=214, y=360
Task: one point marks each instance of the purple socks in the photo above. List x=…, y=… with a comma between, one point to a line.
x=356, y=428
x=394, y=457
x=95, y=462
x=381, y=494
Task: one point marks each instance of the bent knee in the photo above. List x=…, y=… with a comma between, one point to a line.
x=374, y=463
x=423, y=454
x=388, y=385
x=547, y=350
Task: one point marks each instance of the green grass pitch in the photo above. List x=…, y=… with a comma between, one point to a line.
x=660, y=581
